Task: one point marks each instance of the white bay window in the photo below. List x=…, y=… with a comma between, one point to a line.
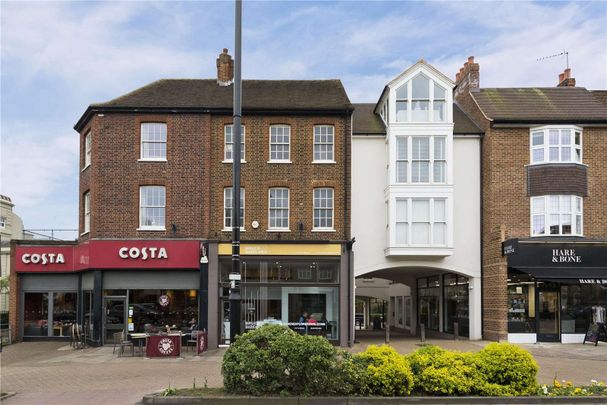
x=556, y=215
x=421, y=159
x=421, y=222
x=421, y=99
x=556, y=145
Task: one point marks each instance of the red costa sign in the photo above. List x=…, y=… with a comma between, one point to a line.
x=109, y=254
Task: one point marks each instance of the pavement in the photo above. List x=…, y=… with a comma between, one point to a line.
x=49, y=373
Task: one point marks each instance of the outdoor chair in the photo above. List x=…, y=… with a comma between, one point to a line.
x=120, y=340
x=193, y=339
x=77, y=340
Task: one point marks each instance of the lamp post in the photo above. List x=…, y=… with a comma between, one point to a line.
x=236, y=132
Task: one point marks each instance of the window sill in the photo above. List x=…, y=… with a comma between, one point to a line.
x=85, y=167
x=231, y=161
x=556, y=163
x=85, y=233
x=324, y=230
x=324, y=162
x=279, y=161
x=151, y=228
x=418, y=251
x=230, y=230
x=558, y=236
x=151, y=160
x=278, y=230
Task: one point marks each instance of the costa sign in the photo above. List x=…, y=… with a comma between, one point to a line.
x=143, y=253
x=43, y=258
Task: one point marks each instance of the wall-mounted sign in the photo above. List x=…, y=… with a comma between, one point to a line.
x=164, y=300
x=43, y=258
x=565, y=256
x=143, y=253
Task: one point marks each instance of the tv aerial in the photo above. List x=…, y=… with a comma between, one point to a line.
x=564, y=53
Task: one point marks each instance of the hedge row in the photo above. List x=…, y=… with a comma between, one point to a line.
x=275, y=360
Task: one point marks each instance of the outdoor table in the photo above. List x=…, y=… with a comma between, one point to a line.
x=140, y=338
x=165, y=345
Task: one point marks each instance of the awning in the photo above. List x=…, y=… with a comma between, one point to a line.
x=583, y=275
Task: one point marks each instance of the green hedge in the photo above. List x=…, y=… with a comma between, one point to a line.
x=275, y=360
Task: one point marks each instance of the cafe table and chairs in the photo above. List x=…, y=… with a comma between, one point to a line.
x=164, y=345
x=141, y=340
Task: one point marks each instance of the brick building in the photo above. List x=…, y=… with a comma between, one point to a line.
x=544, y=226
x=155, y=214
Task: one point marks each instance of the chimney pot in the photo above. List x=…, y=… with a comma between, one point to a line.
x=561, y=77
x=225, y=50
x=457, y=76
x=567, y=73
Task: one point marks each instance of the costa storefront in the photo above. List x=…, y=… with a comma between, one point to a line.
x=108, y=286
x=557, y=290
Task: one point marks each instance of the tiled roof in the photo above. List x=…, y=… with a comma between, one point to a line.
x=366, y=122
x=256, y=95
x=554, y=104
x=600, y=95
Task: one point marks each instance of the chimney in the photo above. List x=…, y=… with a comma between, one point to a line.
x=467, y=78
x=225, y=68
x=565, y=79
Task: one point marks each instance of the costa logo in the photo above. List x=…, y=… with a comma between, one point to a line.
x=166, y=346
x=143, y=253
x=43, y=258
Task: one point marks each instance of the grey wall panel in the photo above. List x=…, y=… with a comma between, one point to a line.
x=153, y=279
x=88, y=280
x=49, y=282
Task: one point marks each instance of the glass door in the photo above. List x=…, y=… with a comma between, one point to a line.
x=548, y=316
x=114, y=316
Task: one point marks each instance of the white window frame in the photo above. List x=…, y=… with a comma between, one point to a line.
x=86, y=227
x=142, y=142
x=431, y=221
x=315, y=209
x=226, y=207
x=3, y=220
x=547, y=213
x=227, y=159
x=288, y=159
x=332, y=143
x=545, y=146
x=280, y=229
x=142, y=226
x=409, y=100
x=87, y=149
x=408, y=161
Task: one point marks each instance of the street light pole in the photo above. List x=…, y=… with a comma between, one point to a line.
x=236, y=132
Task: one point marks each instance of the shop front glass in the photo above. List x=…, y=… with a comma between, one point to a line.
x=428, y=291
x=579, y=303
x=521, y=303
x=37, y=317
x=153, y=310
x=35, y=314
x=456, y=303
x=64, y=313
x=296, y=293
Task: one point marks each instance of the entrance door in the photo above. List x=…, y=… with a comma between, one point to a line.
x=548, y=316
x=114, y=316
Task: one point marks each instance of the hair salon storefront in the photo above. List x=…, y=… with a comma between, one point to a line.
x=108, y=286
x=556, y=289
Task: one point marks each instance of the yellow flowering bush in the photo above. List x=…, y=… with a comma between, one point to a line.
x=385, y=372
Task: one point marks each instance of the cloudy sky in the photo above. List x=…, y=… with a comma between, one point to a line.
x=58, y=57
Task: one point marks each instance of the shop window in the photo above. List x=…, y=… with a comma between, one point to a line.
x=578, y=302
x=521, y=304
x=456, y=303
x=227, y=208
x=556, y=215
x=556, y=145
x=88, y=312
x=287, y=271
x=64, y=313
x=154, y=309
x=153, y=141
x=35, y=314
x=229, y=143
x=323, y=143
x=428, y=302
x=280, y=143
x=152, y=205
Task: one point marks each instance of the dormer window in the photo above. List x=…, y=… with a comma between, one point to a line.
x=421, y=100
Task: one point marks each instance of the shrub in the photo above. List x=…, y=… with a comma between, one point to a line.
x=382, y=371
x=507, y=369
x=275, y=360
x=442, y=372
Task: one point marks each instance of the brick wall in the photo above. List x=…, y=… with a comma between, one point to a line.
x=506, y=203
x=115, y=175
x=301, y=177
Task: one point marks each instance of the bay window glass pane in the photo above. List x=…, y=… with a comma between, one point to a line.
x=537, y=138
x=439, y=211
x=401, y=210
x=554, y=204
x=553, y=137
x=402, y=230
x=440, y=230
x=578, y=204
x=421, y=210
x=421, y=87
x=419, y=110
x=565, y=154
x=565, y=137
x=539, y=225
x=401, y=148
x=439, y=148
x=578, y=155
x=566, y=204
x=538, y=155
x=401, y=110
x=553, y=154
x=566, y=224
x=554, y=224
x=578, y=138
x=401, y=92
x=537, y=205
x=440, y=172
x=420, y=233
x=401, y=172
x=420, y=172
x=439, y=110
x=439, y=92
x=578, y=224
x=421, y=148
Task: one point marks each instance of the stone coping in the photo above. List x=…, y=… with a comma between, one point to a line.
x=250, y=400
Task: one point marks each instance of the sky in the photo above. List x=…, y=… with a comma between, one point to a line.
x=56, y=58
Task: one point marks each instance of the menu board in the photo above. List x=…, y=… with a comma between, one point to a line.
x=596, y=332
